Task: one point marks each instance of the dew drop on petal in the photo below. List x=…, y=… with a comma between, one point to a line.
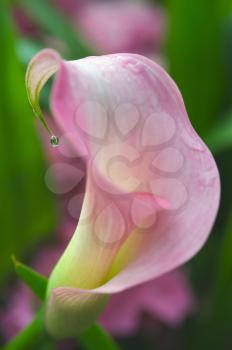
x=54, y=140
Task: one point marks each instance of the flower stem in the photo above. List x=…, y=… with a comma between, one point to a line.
x=32, y=335
x=35, y=334
x=96, y=337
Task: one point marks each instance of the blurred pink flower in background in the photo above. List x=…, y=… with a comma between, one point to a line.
x=108, y=26
x=24, y=24
x=168, y=299
x=17, y=313
x=112, y=27
x=69, y=6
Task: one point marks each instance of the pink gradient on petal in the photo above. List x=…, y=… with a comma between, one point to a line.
x=168, y=299
x=193, y=191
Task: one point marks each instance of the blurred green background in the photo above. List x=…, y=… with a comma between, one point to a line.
x=198, y=53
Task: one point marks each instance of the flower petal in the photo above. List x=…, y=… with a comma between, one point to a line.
x=119, y=169
x=40, y=69
x=70, y=311
x=188, y=198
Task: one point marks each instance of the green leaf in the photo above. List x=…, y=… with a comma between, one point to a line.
x=26, y=49
x=31, y=336
x=213, y=328
x=27, y=208
x=50, y=20
x=36, y=282
x=220, y=137
x=35, y=334
x=194, y=48
x=221, y=315
x=223, y=275
x=96, y=337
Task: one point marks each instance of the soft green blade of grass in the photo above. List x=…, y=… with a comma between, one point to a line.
x=31, y=336
x=220, y=319
x=36, y=282
x=26, y=208
x=219, y=138
x=51, y=21
x=211, y=328
x=26, y=49
x=96, y=337
x=194, y=52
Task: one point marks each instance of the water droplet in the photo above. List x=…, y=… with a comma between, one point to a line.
x=54, y=140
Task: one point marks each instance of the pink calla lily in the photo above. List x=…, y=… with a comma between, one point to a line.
x=152, y=188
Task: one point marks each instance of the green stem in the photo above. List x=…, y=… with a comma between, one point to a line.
x=32, y=335
x=96, y=338
x=35, y=334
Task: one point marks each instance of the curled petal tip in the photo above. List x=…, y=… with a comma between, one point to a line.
x=40, y=69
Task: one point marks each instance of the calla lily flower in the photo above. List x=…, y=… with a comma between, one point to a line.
x=152, y=186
